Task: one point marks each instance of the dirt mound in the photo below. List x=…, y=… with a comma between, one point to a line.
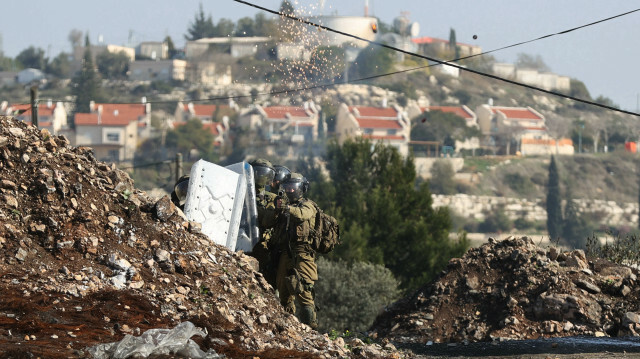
x=513, y=289
x=86, y=258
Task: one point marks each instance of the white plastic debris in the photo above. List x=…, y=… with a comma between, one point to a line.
x=174, y=341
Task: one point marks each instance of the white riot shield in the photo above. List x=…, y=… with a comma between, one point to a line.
x=249, y=234
x=215, y=199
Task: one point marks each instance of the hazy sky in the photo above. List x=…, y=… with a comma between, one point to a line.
x=604, y=56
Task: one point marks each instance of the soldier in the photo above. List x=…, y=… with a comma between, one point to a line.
x=297, y=271
x=179, y=193
x=282, y=172
x=263, y=175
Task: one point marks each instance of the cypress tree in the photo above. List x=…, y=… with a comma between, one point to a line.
x=554, y=209
x=86, y=83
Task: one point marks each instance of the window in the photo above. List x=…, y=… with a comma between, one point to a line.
x=368, y=131
x=113, y=137
x=392, y=132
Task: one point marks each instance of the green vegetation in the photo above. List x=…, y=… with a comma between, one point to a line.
x=618, y=249
x=554, y=214
x=352, y=295
x=385, y=217
x=86, y=83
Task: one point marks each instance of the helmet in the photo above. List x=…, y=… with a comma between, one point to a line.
x=262, y=171
x=282, y=173
x=295, y=186
x=180, y=189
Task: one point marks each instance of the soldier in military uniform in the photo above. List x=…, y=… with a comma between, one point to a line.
x=282, y=172
x=265, y=202
x=297, y=271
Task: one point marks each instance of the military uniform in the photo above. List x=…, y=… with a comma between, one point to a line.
x=297, y=270
x=265, y=203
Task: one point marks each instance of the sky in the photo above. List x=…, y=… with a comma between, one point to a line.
x=604, y=56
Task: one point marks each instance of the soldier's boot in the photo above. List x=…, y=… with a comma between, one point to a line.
x=308, y=316
x=290, y=307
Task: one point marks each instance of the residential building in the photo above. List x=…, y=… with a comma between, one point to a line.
x=387, y=124
x=207, y=72
x=8, y=78
x=78, y=54
x=434, y=45
x=289, y=124
x=494, y=120
x=154, y=50
x=204, y=112
x=531, y=145
x=111, y=129
x=413, y=111
x=235, y=46
x=545, y=80
x=52, y=116
x=162, y=70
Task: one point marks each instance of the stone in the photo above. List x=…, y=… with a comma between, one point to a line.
x=21, y=254
x=588, y=286
x=164, y=209
x=624, y=290
x=631, y=318
x=11, y=201
x=6, y=184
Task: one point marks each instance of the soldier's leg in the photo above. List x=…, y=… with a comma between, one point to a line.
x=308, y=270
x=287, y=299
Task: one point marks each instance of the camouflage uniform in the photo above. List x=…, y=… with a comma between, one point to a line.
x=265, y=203
x=297, y=270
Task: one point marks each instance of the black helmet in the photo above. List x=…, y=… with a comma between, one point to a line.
x=262, y=172
x=282, y=173
x=295, y=186
x=180, y=189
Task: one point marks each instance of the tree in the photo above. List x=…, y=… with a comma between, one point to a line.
x=373, y=60
x=113, y=66
x=437, y=125
x=575, y=230
x=75, y=38
x=245, y=27
x=352, y=301
x=86, y=83
x=387, y=219
x=32, y=58
x=286, y=8
x=189, y=137
x=60, y=66
x=201, y=27
x=453, y=45
x=264, y=26
x=531, y=62
x=6, y=63
x=224, y=28
x=170, y=46
x=554, y=208
x=441, y=181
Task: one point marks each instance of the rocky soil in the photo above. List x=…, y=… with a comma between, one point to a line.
x=86, y=259
x=513, y=289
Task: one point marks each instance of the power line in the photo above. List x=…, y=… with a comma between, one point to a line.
x=441, y=62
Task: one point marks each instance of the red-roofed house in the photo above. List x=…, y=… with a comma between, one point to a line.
x=294, y=124
x=111, y=129
x=51, y=116
x=218, y=130
x=463, y=111
x=387, y=124
x=495, y=120
x=203, y=112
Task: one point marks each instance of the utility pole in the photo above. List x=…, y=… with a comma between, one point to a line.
x=178, y=165
x=580, y=136
x=34, y=106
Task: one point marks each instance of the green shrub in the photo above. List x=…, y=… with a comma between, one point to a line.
x=350, y=296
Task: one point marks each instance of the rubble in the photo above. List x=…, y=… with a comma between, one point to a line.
x=87, y=259
x=513, y=289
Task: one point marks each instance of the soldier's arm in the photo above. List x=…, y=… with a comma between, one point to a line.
x=302, y=211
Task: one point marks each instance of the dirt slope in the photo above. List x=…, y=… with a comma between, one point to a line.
x=513, y=289
x=86, y=258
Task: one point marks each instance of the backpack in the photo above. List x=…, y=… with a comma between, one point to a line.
x=325, y=234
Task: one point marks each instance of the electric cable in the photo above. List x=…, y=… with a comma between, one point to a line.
x=442, y=62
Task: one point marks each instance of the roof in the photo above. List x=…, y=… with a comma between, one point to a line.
x=281, y=112
x=107, y=119
x=203, y=110
x=517, y=113
x=43, y=109
x=131, y=110
x=372, y=123
x=384, y=137
x=457, y=110
x=380, y=112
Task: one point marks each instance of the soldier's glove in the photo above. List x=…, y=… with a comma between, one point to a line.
x=281, y=204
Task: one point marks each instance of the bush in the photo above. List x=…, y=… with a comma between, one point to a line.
x=619, y=250
x=351, y=296
x=495, y=222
